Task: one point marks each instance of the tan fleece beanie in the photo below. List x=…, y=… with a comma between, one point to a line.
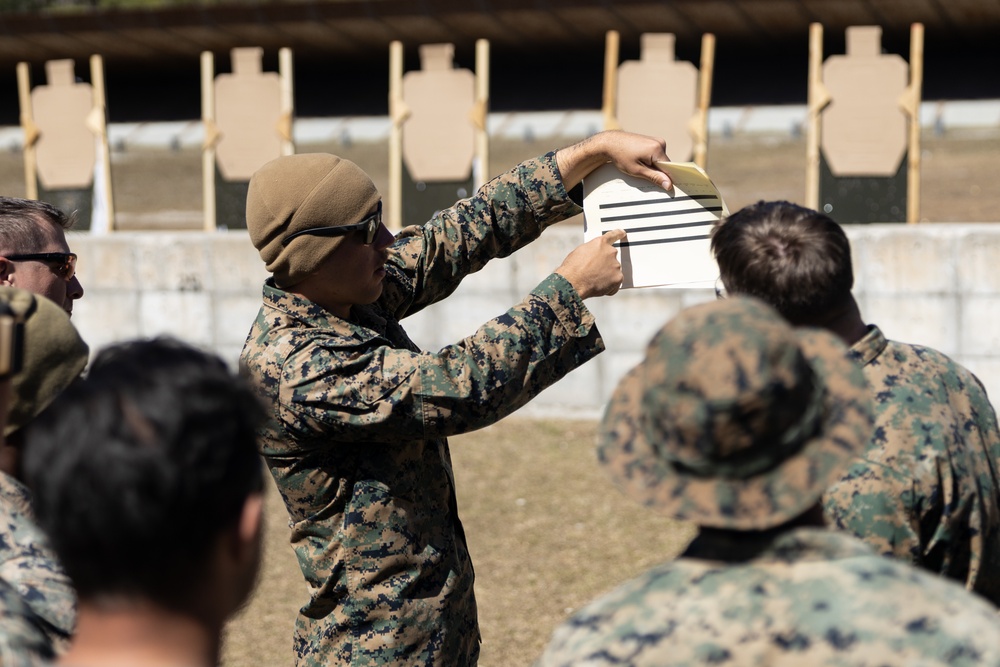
x=299, y=192
x=54, y=355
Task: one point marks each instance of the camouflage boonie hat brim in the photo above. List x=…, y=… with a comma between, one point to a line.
x=734, y=419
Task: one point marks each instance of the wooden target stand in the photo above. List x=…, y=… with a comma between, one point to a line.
x=67, y=161
x=247, y=115
x=439, y=145
x=863, y=130
x=660, y=96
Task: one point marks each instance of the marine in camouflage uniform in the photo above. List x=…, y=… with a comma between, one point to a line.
x=926, y=489
x=23, y=641
x=28, y=564
x=54, y=355
x=802, y=597
x=737, y=422
x=358, y=444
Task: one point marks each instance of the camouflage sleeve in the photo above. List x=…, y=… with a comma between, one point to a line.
x=984, y=569
x=961, y=515
x=428, y=262
x=926, y=491
x=23, y=641
x=384, y=394
x=29, y=565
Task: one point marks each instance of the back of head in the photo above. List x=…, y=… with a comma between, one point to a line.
x=22, y=220
x=791, y=257
x=138, y=469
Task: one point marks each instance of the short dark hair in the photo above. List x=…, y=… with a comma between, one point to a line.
x=21, y=220
x=136, y=470
x=794, y=258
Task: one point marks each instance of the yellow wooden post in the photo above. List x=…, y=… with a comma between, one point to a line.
x=100, y=117
x=481, y=168
x=211, y=137
x=915, y=93
x=704, y=99
x=610, y=107
x=397, y=116
x=287, y=101
x=29, y=129
x=819, y=97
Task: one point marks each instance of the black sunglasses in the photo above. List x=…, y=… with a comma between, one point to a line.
x=369, y=226
x=65, y=262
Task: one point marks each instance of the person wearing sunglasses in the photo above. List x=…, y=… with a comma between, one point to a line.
x=34, y=254
x=359, y=415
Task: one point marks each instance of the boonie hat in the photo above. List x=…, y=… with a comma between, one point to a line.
x=297, y=192
x=734, y=419
x=53, y=355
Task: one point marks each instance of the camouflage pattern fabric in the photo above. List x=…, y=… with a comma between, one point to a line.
x=926, y=490
x=23, y=642
x=29, y=565
x=734, y=419
x=360, y=416
x=802, y=597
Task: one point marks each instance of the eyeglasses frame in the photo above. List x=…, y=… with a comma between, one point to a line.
x=370, y=225
x=66, y=260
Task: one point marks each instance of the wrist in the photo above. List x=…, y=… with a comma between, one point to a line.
x=580, y=286
x=576, y=161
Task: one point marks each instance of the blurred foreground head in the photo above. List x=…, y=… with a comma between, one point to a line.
x=147, y=479
x=735, y=420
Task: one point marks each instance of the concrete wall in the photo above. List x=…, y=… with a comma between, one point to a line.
x=937, y=285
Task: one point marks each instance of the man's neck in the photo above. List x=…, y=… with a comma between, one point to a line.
x=844, y=322
x=10, y=455
x=140, y=635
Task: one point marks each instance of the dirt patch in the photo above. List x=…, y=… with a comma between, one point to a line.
x=547, y=532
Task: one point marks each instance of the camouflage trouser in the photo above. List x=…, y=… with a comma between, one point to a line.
x=397, y=642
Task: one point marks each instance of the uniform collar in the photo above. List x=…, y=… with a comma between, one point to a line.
x=870, y=346
x=774, y=546
x=366, y=319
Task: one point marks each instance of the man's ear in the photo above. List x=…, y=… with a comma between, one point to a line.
x=250, y=526
x=6, y=272
x=235, y=560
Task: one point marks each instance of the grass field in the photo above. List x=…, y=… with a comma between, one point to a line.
x=547, y=530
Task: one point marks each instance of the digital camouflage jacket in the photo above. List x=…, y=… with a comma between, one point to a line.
x=926, y=490
x=805, y=596
x=28, y=564
x=360, y=415
x=23, y=642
